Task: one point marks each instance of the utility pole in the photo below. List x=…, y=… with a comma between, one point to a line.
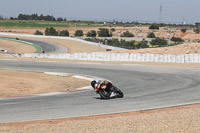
x=75, y=27
x=160, y=13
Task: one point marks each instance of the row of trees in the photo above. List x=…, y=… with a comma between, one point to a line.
x=38, y=17
x=157, y=42
x=163, y=42
x=103, y=32
x=121, y=43
x=52, y=32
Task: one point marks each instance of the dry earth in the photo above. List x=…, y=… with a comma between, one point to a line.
x=19, y=83
x=190, y=48
x=15, y=47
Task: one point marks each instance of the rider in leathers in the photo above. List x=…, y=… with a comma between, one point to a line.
x=104, y=84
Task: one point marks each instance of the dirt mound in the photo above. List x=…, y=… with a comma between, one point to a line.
x=192, y=48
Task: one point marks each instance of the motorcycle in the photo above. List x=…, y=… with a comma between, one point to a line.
x=113, y=92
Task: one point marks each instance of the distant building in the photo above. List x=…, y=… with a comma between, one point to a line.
x=197, y=24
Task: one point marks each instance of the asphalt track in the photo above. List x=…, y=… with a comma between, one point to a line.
x=145, y=87
x=47, y=47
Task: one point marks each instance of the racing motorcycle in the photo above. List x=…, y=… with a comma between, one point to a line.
x=109, y=93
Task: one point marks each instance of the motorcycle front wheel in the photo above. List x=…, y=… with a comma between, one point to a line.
x=104, y=94
x=119, y=93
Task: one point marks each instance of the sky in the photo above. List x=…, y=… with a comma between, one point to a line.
x=173, y=11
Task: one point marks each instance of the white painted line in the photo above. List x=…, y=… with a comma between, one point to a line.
x=49, y=94
x=82, y=77
x=85, y=88
x=55, y=73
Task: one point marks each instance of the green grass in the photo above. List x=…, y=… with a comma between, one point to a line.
x=38, y=49
x=45, y=24
x=38, y=24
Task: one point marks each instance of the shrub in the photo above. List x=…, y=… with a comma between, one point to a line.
x=151, y=35
x=159, y=41
x=113, y=29
x=103, y=32
x=127, y=34
x=154, y=26
x=64, y=33
x=79, y=33
x=143, y=44
x=38, y=32
x=177, y=40
x=183, y=30
x=197, y=30
x=91, y=33
x=51, y=32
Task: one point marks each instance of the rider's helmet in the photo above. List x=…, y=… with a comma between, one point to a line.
x=93, y=83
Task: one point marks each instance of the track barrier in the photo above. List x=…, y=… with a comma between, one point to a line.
x=139, y=57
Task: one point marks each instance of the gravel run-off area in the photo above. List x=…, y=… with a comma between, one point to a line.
x=20, y=83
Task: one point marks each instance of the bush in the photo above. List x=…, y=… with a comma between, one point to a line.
x=79, y=33
x=159, y=41
x=38, y=32
x=143, y=44
x=91, y=33
x=127, y=34
x=113, y=29
x=151, y=35
x=64, y=33
x=103, y=32
x=177, y=40
x=121, y=43
x=154, y=26
x=51, y=32
x=197, y=30
x=183, y=30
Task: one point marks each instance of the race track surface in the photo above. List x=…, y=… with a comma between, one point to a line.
x=144, y=87
x=47, y=47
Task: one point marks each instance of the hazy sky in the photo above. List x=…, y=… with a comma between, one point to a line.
x=121, y=10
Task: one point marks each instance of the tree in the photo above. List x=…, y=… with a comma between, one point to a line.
x=127, y=34
x=103, y=32
x=113, y=29
x=197, y=30
x=151, y=35
x=38, y=32
x=159, y=41
x=177, y=40
x=1, y=17
x=154, y=26
x=79, y=33
x=22, y=17
x=91, y=33
x=51, y=32
x=60, y=19
x=64, y=33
